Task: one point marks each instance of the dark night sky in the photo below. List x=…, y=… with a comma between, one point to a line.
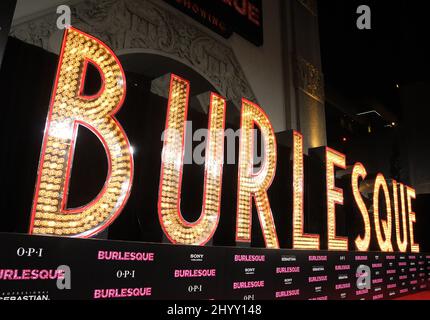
x=369, y=63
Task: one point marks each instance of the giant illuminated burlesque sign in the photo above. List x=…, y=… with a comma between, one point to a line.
x=70, y=108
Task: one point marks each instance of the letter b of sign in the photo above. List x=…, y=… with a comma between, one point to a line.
x=364, y=21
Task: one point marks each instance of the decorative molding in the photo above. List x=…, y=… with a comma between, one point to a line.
x=24, y=16
x=311, y=6
x=309, y=79
x=160, y=86
x=144, y=25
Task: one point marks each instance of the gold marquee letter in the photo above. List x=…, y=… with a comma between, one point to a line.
x=68, y=110
x=300, y=239
x=411, y=194
x=253, y=185
x=174, y=225
x=384, y=245
x=334, y=196
x=402, y=244
x=359, y=171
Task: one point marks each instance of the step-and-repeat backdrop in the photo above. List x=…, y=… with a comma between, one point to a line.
x=41, y=268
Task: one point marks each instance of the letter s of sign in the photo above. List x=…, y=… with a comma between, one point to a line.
x=364, y=21
x=364, y=278
x=65, y=18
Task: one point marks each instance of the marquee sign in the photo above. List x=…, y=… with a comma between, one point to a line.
x=244, y=17
x=70, y=108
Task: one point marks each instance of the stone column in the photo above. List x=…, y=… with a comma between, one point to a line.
x=7, y=9
x=304, y=85
x=416, y=135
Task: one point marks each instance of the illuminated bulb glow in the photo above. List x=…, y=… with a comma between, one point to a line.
x=384, y=245
x=176, y=228
x=68, y=110
x=402, y=243
x=359, y=172
x=253, y=185
x=411, y=194
x=334, y=197
x=300, y=239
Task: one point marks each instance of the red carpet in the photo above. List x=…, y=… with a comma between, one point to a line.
x=419, y=296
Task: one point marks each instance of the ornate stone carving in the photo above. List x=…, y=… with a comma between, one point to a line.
x=144, y=25
x=311, y=5
x=309, y=79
